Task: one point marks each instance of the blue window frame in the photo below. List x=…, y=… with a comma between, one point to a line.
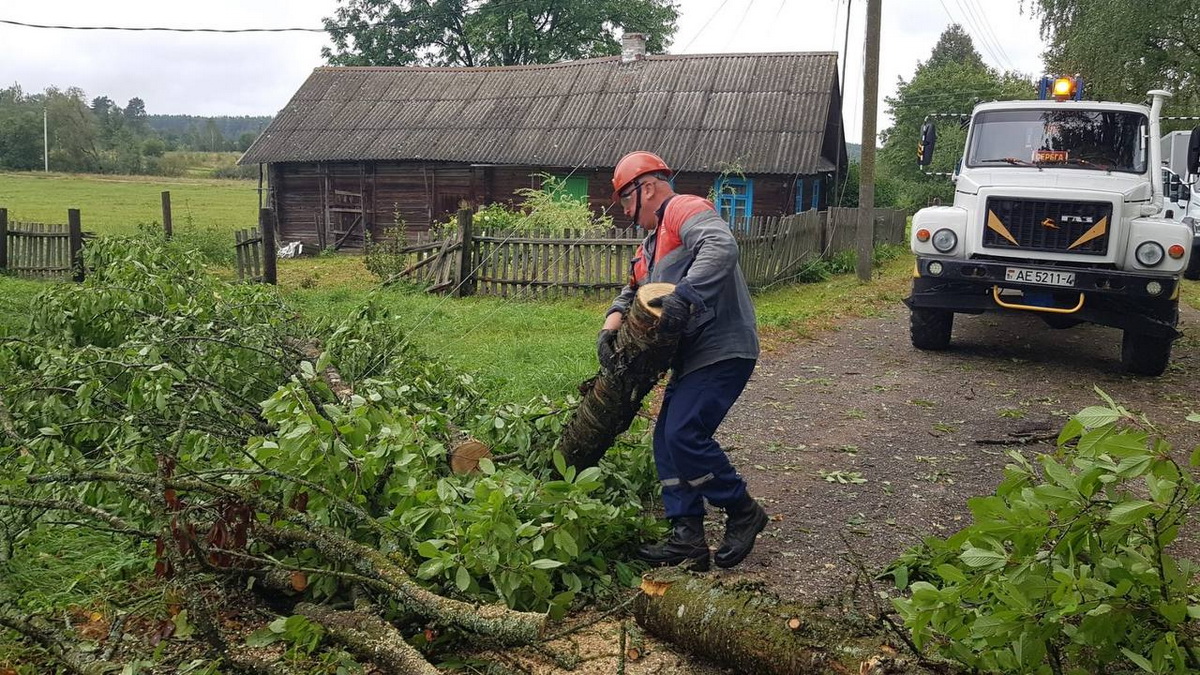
x=814, y=194
x=735, y=201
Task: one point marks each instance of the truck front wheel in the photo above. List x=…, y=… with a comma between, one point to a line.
x=930, y=328
x=1143, y=354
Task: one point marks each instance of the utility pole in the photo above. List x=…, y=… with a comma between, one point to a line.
x=866, y=184
x=45, y=141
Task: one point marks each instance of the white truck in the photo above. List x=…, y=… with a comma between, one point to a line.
x=1058, y=210
x=1182, y=200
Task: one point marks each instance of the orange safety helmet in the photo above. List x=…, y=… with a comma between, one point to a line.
x=633, y=165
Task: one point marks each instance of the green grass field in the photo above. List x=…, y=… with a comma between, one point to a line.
x=117, y=204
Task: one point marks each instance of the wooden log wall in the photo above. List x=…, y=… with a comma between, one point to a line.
x=314, y=202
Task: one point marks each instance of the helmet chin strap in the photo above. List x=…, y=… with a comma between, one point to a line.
x=637, y=210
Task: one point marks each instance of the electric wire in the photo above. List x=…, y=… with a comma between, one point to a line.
x=705, y=26
x=162, y=29
x=981, y=15
x=738, y=27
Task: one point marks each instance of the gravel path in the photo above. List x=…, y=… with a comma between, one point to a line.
x=857, y=442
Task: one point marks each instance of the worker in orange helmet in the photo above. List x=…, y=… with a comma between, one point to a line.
x=691, y=246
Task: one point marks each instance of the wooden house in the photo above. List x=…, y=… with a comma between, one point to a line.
x=360, y=149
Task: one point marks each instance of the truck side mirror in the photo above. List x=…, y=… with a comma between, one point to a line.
x=928, y=141
x=1193, y=152
x=1173, y=187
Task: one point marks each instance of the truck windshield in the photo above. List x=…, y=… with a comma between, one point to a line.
x=1074, y=139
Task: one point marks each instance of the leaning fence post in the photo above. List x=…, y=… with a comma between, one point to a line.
x=166, y=209
x=466, y=276
x=3, y=239
x=266, y=230
x=75, y=244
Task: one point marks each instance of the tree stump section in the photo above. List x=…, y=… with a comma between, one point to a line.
x=612, y=399
x=464, y=457
x=753, y=632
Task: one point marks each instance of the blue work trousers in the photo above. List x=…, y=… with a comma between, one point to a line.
x=691, y=464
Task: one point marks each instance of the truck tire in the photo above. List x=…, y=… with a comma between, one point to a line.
x=1060, y=321
x=1192, y=272
x=1143, y=354
x=930, y=328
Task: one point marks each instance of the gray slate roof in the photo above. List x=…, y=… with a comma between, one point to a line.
x=764, y=113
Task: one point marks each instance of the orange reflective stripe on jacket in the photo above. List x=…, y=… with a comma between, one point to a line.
x=667, y=237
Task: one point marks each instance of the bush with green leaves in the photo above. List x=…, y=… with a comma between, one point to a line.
x=548, y=210
x=385, y=256
x=155, y=383
x=1066, y=568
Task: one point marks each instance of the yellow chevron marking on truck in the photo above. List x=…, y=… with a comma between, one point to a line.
x=1098, y=230
x=998, y=227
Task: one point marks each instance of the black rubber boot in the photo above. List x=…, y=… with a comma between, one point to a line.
x=685, y=545
x=744, y=521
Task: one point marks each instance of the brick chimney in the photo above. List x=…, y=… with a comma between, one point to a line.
x=633, y=47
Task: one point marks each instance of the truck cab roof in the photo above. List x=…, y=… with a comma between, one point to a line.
x=1062, y=105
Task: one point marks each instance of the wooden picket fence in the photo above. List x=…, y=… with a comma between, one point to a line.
x=255, y=250
x=40, y=250
x=597, y=263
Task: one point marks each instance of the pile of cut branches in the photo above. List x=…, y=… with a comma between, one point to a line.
x=204, y=427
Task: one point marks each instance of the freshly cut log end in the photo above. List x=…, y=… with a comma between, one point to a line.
x=464, y=457
x=612, y=399
x=654, y=587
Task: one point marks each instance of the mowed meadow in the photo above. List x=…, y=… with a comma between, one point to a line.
x=111, y=204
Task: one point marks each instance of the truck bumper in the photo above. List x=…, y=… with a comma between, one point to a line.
x=1108, y=297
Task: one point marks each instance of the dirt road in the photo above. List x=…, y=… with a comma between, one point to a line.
x=858, y=442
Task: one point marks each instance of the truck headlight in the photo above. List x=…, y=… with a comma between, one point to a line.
x=945, y=240
x=1149, y=254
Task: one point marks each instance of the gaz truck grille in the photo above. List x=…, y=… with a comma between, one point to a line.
x=1047, y=225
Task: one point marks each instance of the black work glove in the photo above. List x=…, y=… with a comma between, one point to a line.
x=675, y=312
x=606, y=349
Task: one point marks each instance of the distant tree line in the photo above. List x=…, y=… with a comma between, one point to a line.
x=102, y=136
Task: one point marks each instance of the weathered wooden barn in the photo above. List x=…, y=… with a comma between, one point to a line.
x=359, y=149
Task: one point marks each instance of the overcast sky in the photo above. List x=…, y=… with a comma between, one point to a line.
x=256, y=73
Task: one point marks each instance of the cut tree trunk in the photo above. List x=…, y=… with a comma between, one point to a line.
x=612, y=399
x=753, y=632
x=370, y=637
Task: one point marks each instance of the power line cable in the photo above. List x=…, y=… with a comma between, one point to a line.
x=160, y=29
x=977, y=10
x=967, y=25
x=705, y=26
x=738, y=27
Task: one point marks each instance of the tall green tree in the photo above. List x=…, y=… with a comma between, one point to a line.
x=951, y=81
x=20, y=130
x=1123, y=48
x=491, y=32
x=73, y=131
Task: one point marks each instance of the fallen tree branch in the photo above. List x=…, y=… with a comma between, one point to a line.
x=753, y=632
x=119, y=526
x=369, y=637
x=507, y=626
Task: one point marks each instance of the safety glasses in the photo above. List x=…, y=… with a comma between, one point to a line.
x=628, y=195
